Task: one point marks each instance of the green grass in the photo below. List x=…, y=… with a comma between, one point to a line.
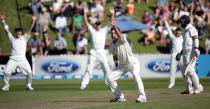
x=65, y=94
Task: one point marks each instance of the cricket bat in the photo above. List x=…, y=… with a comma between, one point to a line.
x=188, y=65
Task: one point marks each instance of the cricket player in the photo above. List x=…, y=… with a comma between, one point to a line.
x=125, y=61
x=176, y=40
x=97, y=51
x=189, y=52
x=17, y=56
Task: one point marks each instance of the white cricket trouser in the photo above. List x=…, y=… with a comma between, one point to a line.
x=118, y=72
x=173, y=70
x=191, y=76
x=94, y=57
x=24, y=67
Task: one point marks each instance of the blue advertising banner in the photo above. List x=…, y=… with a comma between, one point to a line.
x=203, y=66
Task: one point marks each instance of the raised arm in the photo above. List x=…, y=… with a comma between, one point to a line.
x=171, y=35
x=115, y=28
x=6, y=27
x=85, y=16
x=34, y=18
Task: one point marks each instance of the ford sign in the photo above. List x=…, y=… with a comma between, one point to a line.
x=162, y=65
x=60, y=66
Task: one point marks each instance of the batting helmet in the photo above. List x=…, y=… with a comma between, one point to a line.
x=184, y=20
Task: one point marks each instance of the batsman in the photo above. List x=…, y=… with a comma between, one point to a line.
x=190, y=53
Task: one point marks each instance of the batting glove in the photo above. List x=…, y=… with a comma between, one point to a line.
x=196, y=52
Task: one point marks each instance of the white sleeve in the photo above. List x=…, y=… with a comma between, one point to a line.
x=6, y=28
x=107, y=28
x=193, y=32
x=90, y=28
x=171, y=35
x=27, y=36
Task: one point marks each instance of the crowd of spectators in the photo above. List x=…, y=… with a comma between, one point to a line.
x=198, y=10
x=63, y=16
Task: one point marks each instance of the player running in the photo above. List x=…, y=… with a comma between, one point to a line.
x=125, y=62
x=97, y=51
x=17, y=56
x=177, y=41
x=190, y=54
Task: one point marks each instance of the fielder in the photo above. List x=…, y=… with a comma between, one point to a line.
x=189, y=52
x=123, y=56
x=177, y=41
x=17, y=56
x=97, y=51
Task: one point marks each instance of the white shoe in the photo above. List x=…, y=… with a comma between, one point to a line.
x=201, y=87
x=171, y=85
x=118, y=99
x=197, y=91
x=5, y=88
x=83, y=87
x=141, y=99
x=28, y=87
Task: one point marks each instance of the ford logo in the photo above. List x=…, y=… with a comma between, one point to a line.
x=60, y=66
x=162, y=65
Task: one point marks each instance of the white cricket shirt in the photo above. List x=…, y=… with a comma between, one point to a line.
x=176, y=41
x=18, y=45
x=123, y=51
x=98, y=38
x=190, y=31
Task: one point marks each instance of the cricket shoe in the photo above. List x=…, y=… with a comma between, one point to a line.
x=198, y=91
x=171, y=85
x=118, y=99
x=201, y=87
x=5, y=88
x=141, y=99
x=29, y=87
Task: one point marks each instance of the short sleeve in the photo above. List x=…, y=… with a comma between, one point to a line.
x=193, y=32
x=107, y=29
x=27, y=36
x=90, y=28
